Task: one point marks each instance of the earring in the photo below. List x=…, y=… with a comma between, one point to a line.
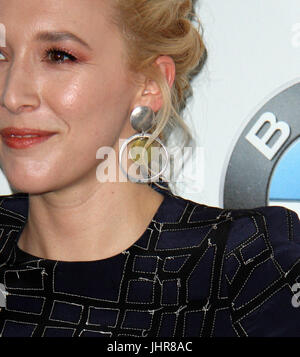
x=142, y=119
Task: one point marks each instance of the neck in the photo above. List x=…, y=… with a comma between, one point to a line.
x=90, y=224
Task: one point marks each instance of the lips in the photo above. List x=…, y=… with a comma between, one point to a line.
x=18, y=138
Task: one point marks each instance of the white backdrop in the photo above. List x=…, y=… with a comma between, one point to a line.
x=253, y=53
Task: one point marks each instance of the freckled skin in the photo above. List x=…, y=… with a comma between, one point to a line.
x=87, y=103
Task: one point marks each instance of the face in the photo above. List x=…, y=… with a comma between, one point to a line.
x=63, y=71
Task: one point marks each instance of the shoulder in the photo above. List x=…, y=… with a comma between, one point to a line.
x=13, y=208
x=263, y=238
x=250, y=256
x=273, y=228
x=177, y=209
x=262, y=267
x=184, y=224
x=246, y=232
x=13, y=216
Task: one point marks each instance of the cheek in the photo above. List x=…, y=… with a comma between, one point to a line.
x=90, y=98
x=68, y=94
x=88, y=111
x=78, y=91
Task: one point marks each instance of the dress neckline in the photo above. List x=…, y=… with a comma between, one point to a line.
x=24, y=257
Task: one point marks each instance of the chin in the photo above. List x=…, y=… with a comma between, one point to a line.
x=29, y=187
x=28, y=184
x=29, y=178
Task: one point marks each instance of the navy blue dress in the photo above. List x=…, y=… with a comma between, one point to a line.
x=197, y=271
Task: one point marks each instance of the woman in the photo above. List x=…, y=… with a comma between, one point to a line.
x=82, y=257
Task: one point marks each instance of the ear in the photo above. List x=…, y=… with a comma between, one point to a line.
x=150, y=94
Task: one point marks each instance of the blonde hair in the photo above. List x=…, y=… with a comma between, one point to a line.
x=152, y=28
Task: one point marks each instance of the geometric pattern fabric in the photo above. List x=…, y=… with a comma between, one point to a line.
x=197, y=271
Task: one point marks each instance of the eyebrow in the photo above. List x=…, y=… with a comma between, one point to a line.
x=60, y=36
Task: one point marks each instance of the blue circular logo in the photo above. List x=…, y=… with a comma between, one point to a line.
x=264, y=166
x=284, y=186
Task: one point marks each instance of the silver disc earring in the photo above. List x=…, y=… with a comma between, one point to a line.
x=142, y=119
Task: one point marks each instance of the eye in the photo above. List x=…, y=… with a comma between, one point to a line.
x=2, y=57
x=56, y=55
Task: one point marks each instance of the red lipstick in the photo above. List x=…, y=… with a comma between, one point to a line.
x=24, y=138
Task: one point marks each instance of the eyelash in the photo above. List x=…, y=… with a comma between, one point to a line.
x=62, y=51
x=54, y=50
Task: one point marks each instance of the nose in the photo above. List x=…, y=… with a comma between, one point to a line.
x=20, y=91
